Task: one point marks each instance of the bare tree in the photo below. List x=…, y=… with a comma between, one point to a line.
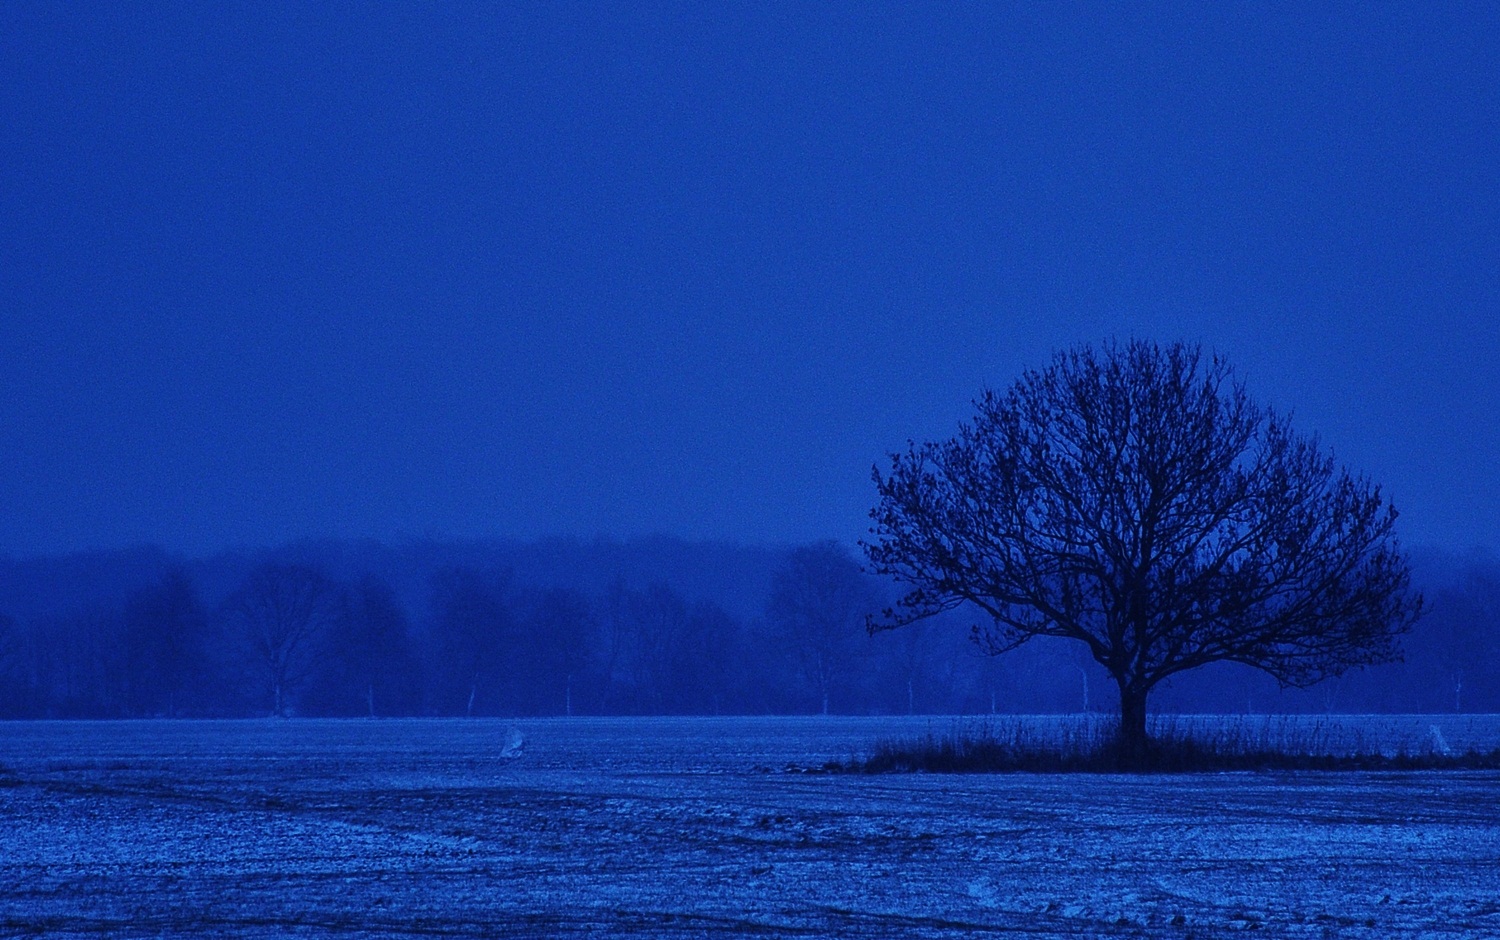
x=705, y=661
x=614, y=628
x=10, y=666
x=554, y=649
x=77, y=663
x=473, y=628
x=165, y=631
x=819, y=601
x=369, y=662
x=1461, y=635
x=658, y=624
x=1136, y=500
x=282, y=611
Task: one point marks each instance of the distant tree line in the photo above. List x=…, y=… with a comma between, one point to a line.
x=289, y=637
x=663, y=627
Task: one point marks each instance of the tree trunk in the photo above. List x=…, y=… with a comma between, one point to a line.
x=1134, y=745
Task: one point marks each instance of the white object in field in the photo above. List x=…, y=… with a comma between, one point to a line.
x=515, y=743
x=1438, y=744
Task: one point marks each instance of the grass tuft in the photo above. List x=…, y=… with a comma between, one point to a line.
x=1200, y=744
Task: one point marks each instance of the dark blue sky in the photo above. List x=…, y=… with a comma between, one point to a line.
x=526, y=269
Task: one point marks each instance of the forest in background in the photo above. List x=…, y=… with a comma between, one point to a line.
x=606, y=627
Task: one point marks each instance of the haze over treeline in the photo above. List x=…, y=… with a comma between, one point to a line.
x=602, y=627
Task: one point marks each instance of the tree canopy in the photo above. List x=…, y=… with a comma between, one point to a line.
x=1134, y=498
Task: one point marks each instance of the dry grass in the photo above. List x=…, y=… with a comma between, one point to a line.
x=1179, y=744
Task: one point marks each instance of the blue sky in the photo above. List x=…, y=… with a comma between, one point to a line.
x=535, y=269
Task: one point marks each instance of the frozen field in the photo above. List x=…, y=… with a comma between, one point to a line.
x=695, y=827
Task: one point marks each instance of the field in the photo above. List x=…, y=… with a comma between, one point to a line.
x=710, y=827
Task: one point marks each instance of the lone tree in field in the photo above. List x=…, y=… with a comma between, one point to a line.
x=1135, y=499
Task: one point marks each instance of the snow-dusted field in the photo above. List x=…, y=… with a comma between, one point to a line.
x=695, y=827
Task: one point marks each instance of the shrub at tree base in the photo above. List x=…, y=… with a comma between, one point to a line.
x=1093, y=746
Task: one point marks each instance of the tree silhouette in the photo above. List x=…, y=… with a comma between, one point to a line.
x=10, y=666
x=553, y=650
x=473, y=628
x=283, y=611
x=657, y=625
x=1135, y=499
x=819, y=600
x=369, y=663
x=1462, y=641
x=165, y=629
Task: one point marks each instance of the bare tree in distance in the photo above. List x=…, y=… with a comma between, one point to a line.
x=165, y=632
x=614, y=641
x=555, y=648
x=658, y=624
x=369, y=661
x=820, y=599
x=1461, y=633
x=473, y=626
x=709, y=659
x=10, y=656
x=1135, y=499
x=282, y=611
